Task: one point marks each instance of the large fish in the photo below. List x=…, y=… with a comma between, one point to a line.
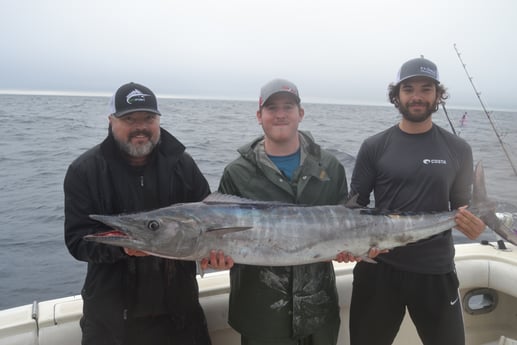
x=278, y=234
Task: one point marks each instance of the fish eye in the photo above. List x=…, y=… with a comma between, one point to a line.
x=153, y=225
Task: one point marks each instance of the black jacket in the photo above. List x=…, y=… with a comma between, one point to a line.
x=117, y=286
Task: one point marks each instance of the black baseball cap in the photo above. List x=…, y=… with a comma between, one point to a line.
x=133, y=97
x=419, y=67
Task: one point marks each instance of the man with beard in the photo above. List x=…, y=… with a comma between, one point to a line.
x=414, y=166
x=131, y=297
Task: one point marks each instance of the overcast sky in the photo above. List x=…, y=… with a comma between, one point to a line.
x=335, y=51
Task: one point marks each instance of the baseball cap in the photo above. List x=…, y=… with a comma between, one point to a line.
x=133, y=97
x=419, y=67
x=276, y=86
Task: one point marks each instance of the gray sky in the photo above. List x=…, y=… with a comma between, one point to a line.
x=334, y=50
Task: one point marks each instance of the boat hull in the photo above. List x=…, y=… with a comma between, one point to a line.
x=484, y=272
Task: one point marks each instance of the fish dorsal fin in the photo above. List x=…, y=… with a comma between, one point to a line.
x=479, y=193
x=228, y=230
x=220, y=198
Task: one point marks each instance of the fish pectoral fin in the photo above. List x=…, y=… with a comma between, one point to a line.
x=227, y=230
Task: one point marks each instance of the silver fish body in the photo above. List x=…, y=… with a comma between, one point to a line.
x=275, y=234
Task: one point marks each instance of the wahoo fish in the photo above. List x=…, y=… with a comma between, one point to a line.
x=280, y=234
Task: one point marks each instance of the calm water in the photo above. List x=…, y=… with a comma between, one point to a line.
x=41, y=135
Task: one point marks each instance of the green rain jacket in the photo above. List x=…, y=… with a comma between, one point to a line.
x=293, y=301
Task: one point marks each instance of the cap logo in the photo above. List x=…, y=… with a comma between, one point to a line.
x=136, y=96
x=428, y=70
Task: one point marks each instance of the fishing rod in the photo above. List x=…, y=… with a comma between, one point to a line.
x=478, y=94
x=448, y=119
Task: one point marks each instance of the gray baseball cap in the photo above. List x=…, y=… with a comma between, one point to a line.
x=419, y=67
x=276, y=86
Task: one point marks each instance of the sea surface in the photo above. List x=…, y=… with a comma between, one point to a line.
x=42, y=135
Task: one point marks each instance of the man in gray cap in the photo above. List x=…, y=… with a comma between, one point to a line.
x=414, y=166
x=131, y=297
x=295, y=304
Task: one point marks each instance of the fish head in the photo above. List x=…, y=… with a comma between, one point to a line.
x=166, y=235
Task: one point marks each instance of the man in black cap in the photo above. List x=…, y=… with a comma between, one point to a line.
x=131, y=297
x=414, y=166
x=295, y=304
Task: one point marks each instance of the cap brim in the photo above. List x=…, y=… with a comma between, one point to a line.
x=128, y=111
x=418, y=75
x=296, y=98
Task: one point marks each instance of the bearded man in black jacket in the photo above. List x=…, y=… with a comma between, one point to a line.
x=131, y=297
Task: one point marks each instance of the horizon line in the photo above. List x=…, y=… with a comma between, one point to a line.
x=221, y=98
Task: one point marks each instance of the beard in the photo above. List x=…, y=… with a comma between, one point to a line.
x=419, y=117
x=138, y=150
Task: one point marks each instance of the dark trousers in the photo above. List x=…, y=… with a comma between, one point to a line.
x=162, y=330
x=381, y=295
x=155, y=330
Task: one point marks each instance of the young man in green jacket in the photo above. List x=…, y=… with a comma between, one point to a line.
x=295, y=304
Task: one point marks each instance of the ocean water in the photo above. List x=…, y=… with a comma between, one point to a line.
x=41, y=135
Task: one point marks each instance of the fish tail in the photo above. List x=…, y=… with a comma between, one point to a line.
x=504, y=224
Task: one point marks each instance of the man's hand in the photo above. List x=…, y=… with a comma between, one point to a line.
x=468, y=223
x=345, y=257
x=217, y=260
x=348, y=257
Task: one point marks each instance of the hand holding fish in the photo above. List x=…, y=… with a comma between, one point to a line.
x=217, y=260
x=468, y=223
x=349, y=257
x=346, y=257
